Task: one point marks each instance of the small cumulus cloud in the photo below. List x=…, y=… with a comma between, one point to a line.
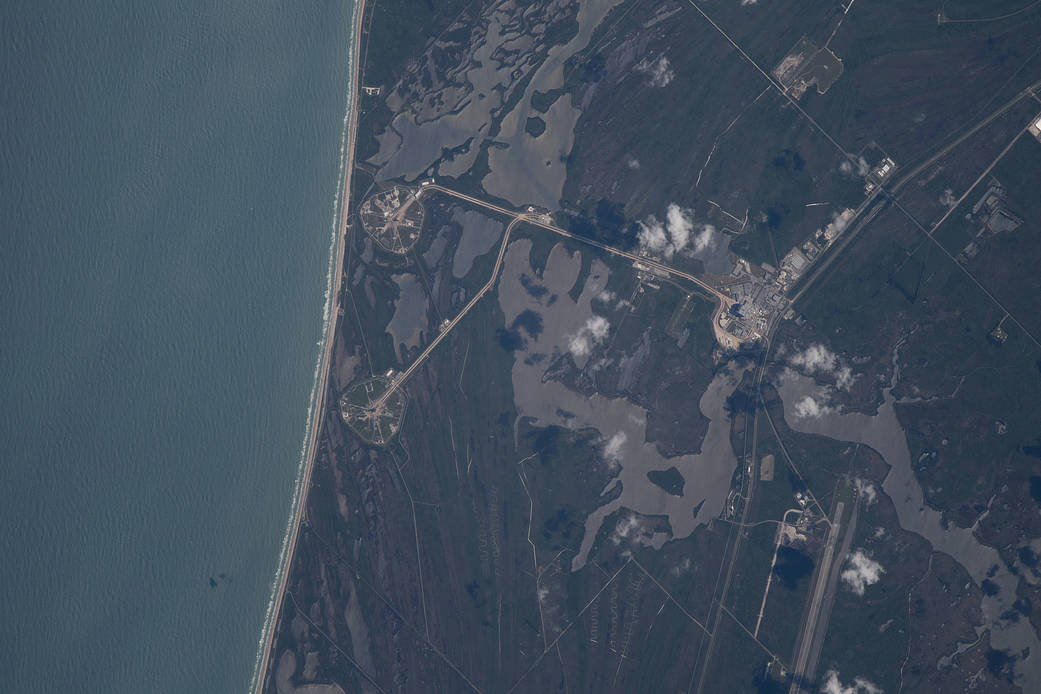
x=673, y=235
x=614, y=445
x=862, y=572
x=633, y=163
x=810, y=408
x=859, y=685
x=705, y=238
x=839, y=221
x=653, y=238
x=947, y=198
x=609, y=297
x=851, y=167
x=589, y=336
x=679, y=224
x=681, y=568
x=866, y=490
x=628, y=525
x=658, y=71
x=598, y=327
x=818, y=359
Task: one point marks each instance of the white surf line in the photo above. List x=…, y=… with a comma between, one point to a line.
x=315, y=409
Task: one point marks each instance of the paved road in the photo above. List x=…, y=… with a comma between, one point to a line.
x=824, y=619
x=748, y=459
x=534, y=220
x=982, y=123
x=318, y=412
x=403, y=376
x=582, y=239
x=816, y=602
x=517, y=218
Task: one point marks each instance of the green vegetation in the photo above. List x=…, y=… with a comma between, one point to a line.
x=398, y=31
x=670, y=480
x=455, y=540
x=784, y=188
x=560, y=32
x=542, y=101
x=535, y=126
x=897, y=88
x=372, y=417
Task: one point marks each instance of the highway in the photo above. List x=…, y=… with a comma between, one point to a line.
x=322, y=383
x=816, y=270
x=534, y=220
x=982, y=123
x=400, y=379
x=942, y=18
x=749, y=460
x=815, y=617
x=582, y=239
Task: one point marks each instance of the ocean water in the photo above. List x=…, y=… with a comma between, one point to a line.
x=168, y=178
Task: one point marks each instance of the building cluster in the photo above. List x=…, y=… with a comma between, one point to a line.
x=761, y=292
x=393, y=218
x=992, y=216
x=1035, y=129
x=999, y=335
x=878, y=176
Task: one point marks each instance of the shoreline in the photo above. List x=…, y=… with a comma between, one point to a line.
x=321, y=384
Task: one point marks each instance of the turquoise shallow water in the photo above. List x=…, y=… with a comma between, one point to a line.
x=168, y=175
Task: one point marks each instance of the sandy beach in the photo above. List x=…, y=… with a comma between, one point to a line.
x=322, y=383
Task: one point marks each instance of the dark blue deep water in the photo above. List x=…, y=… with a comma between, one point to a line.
x=167, y=178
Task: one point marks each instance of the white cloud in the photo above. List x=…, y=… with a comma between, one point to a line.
x=815, y=358
x=628, y=524
x=863, y=571
x=579, y=345
x=681, y=568
x=598, y=327
x=859, y=166
x=679, y=225
x=633, y=163
x=844, y=378
x=652, y=236
x=705, y=238
x=839, y=222
x=658, y=70
x=832, y=685
x=672, y=236
x=589, y=336
x=808, y=407
x=746, y=3
x=818, y=359
x=613, y=446
x=866, y=490
x=948, y=199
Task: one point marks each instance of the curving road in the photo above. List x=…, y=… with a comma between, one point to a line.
x=534, y=220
